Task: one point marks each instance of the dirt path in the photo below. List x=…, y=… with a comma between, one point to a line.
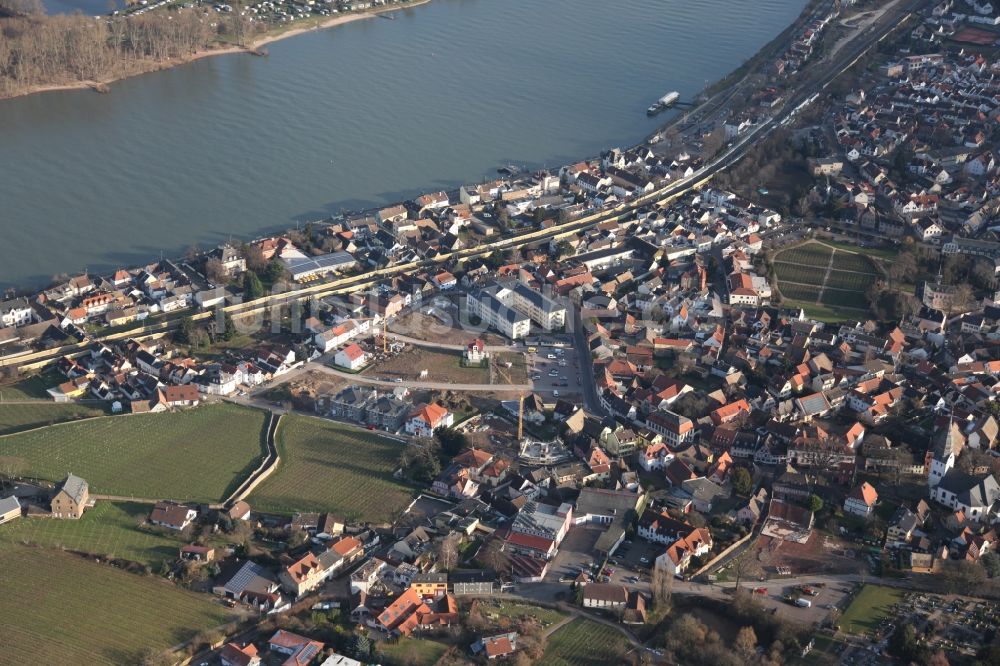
x=826, y=276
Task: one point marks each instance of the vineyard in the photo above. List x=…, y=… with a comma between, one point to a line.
x=824, y=280
x=62, y=609
x=199, y=455
x=109, y=529
x=327, y=466
x=585, y=643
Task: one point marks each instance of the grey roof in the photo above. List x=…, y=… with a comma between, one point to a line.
x=498, y=307
x=251, y=577
x=703, y=489
x=970, y=490
x=538, y=299
x=8, y=504
x=75, y=487
x=598, y=501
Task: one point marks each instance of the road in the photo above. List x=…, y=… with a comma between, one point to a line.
x=586, y=361
x=410, y=384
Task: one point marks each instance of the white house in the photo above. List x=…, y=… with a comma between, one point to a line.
x=351, y=357
x=426, y=418
x=15, y=312
x=861, y=500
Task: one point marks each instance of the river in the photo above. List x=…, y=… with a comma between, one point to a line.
x=355, y=116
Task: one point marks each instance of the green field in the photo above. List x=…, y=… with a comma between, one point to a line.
x=327, y=466
x=872, y=604
x=17, y=417
x=840, y=298
x=415, y=651
x=110, y=529
x=585, y=643
x=545, y=616
x=61, y=609
x=31, y=388
x=199, y=455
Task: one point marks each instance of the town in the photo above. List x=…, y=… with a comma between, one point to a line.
x=727, y=396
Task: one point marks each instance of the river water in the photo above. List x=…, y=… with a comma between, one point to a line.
x=354, y=116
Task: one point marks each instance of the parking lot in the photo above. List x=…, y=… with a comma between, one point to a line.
x=554, y=371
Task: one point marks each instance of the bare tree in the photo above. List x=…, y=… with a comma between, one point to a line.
x=215, y=271
x=446, y=550
x=662, y=587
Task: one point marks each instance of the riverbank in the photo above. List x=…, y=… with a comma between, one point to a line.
x=254, y=48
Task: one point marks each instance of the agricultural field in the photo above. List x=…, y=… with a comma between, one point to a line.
x=799, y=274
x=872, y=604
x=849, y=280
x=810, y=254
x=62, y=609
x=327, y=466
x=441, y=366
x=198, y=455
x=585, y=643
x=109, y=529
x=24, y=416
x=828, y=282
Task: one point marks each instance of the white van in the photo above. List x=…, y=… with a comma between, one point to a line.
x=803, y=603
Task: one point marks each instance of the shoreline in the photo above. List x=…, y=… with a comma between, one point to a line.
x=343, y=19
x=267, y=38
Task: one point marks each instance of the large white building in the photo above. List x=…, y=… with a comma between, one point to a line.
x=511, y=309
x=544, y=311
x=978, y=497
x=495, y=314
x=15, y=312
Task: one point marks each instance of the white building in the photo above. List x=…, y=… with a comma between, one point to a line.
x=861, y=501
x=495, y=314
x=351, y=357
x=976, y=496
x=15, y=312
x=425, y=419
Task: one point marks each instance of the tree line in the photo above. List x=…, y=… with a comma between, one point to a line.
x=37, y=51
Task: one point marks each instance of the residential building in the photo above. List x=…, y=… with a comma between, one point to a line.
x=352, y=357
x=71, y=498
x=496, y=314
x=172, y=516
x=861, y=500
x=425, y=419
x=299, y=650
x=10, y=509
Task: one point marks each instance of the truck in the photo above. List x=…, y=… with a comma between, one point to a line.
x=803, y=603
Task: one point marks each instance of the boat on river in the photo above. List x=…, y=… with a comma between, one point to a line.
x=663, y=103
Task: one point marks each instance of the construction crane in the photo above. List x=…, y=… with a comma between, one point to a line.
x=520, y=418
